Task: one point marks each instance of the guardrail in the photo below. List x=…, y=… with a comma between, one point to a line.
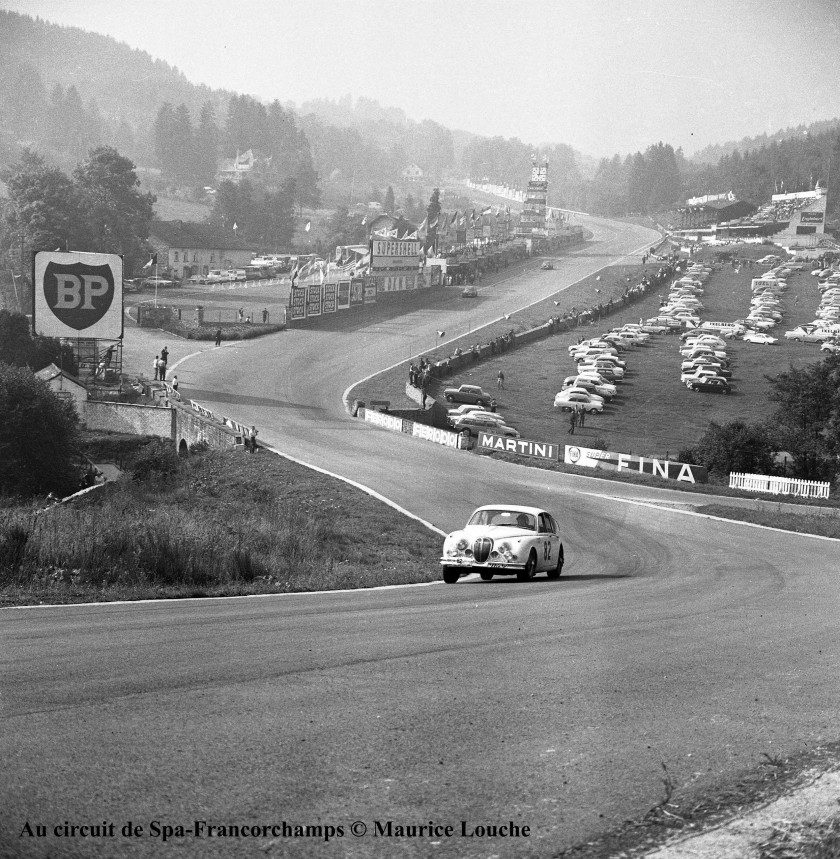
x=779, y=485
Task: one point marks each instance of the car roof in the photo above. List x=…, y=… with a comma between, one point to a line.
x=518, y=508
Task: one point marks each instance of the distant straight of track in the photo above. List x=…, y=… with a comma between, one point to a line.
x=673, y=645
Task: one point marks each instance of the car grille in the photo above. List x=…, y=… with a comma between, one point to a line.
x=481, y=549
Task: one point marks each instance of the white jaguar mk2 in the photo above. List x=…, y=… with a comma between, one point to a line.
x=504, y=540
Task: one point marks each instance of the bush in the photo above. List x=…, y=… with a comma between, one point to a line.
x=157, y=460
x=38, y=437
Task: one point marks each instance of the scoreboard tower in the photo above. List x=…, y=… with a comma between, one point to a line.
x=532, y=220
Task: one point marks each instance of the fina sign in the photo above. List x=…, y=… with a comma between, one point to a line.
x=78, y=295
x=607, y=459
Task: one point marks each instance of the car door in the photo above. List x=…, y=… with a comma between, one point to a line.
x=549, y=549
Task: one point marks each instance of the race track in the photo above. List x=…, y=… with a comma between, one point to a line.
x=672, y=639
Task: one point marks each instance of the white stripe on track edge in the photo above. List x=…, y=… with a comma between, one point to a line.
x=667, y=509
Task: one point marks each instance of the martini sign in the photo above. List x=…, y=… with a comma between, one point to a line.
x=78, y=295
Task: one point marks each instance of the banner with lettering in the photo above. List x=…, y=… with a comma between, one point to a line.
x=297, y=302
x=313, y=299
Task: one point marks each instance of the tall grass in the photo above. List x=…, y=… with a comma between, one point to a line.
x=224, y=524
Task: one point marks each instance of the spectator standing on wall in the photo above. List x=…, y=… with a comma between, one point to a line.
x=164, y=360
x=156, y=366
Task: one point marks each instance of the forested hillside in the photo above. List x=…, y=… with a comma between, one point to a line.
x=64, y=91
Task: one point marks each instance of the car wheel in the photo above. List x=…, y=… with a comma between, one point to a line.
x=451, y=575
x=530, y=568
x=486, y=575
x=555, y=573
x=449, y=398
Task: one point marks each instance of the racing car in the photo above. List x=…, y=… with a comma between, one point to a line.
x=504, y=540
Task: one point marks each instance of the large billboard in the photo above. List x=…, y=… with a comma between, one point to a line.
x=394, y=254
x=77, y=295
x=612, y=461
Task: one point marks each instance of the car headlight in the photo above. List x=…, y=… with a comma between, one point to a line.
x=462, y=544
x=507, y=550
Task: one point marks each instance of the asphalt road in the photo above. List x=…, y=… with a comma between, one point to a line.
x=671, y=639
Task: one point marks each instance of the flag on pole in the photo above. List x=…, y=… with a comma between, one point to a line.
x=152, y=261
x=235, y=227
x=487, y=210
x=364, y=220
x=308, y=226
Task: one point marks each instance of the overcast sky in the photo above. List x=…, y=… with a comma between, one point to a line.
x=605, y=76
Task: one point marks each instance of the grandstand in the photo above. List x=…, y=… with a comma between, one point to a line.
x=795, y=220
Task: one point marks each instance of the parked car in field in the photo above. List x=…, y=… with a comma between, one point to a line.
x=568, y=400
x=759, y=337
x=602, y=389
x=701, y=373
x=476, y=422
x=709, y=386
x=216, y=275
x=469, y=292
x=547, y=266
x=608, y=371
x=832, y=347
x=580, y=389
x=464, y=409
x=596, y=377
x=467, y=394
x=504, y=540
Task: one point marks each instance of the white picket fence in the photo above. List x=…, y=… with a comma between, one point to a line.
x=779, y=485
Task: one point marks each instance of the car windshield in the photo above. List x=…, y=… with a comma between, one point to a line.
x=510, y=518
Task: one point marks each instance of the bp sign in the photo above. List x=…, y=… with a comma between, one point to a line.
x=78, y=295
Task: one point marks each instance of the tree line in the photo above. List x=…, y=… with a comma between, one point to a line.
x=805, y=424
x=99, y=208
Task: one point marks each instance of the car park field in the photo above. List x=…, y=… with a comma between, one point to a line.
x=653, y=412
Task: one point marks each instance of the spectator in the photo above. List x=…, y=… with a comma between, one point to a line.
x=218, y=336
x=500, y=380
x=265, y=315
x=572, y=422
x=156, y=366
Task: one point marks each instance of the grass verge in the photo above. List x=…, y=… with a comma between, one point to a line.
x=225, y=524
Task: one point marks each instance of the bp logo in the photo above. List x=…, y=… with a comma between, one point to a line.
x=78, y=294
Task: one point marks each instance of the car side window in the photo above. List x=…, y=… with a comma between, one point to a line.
x=545, y=525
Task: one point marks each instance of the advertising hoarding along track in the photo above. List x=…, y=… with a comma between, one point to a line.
x=77, y=295
x=611, y=461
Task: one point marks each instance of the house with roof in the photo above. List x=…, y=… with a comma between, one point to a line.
x=186, y=248
x=412, y=173
x=65, y=387
x=236, y=169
